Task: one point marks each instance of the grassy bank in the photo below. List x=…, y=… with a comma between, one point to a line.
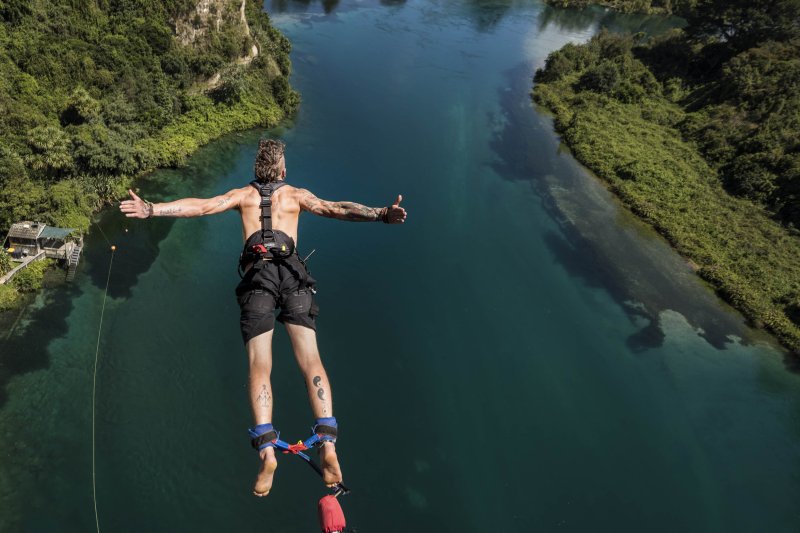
x=628, y=133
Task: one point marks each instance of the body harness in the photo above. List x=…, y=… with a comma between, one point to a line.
x=268, y=244
x=271, y=244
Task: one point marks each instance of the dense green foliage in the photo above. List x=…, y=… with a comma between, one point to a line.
x=8, y=297
x=735, y=69
x=29, y=279
x=671, y=136
x=5, y=262
x=93, y=94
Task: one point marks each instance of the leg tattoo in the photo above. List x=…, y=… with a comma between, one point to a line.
x=264, y=396
x=321, y=393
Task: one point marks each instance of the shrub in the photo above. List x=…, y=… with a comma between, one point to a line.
x=5, y=262
x=8, y=297
x=29, y=279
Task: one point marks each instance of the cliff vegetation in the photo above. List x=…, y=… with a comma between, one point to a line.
x=95, y=93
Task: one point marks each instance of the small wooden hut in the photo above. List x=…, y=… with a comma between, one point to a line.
x=22, y=240
x=29, y=241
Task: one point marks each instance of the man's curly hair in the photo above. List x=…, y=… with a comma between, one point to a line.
x=268, y=160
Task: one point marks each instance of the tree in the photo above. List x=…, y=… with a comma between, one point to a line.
x=81, y=108
x=50, y=150
x=742, y=24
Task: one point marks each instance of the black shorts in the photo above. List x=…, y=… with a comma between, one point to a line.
x=269, y=285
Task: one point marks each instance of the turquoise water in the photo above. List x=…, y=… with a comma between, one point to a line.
x=521, y=355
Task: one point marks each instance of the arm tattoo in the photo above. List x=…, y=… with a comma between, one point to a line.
x=166, y=211
x=356, y=212
x=223, y=202
x=342, y=210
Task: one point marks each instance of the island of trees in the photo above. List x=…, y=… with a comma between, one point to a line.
x=93, y=94
x=698, y=132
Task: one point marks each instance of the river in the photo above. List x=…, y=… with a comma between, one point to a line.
x=521, y=355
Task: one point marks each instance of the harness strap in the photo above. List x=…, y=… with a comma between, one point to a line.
x=266, y=190
x=325, y=430
x=269, y=245
x=301, y=274
x=328, y=431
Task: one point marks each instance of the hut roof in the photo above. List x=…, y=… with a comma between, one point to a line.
x=55, y=233
x=26, y=230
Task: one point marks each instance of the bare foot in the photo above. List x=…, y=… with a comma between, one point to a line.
x=331, y=473
x=268, y=466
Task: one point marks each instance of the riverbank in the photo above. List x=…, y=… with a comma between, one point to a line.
x=144, y=88
x=627, y=134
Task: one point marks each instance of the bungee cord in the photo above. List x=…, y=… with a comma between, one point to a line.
x=94, y=386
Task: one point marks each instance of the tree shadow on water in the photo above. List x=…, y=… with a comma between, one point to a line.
x=569, y=20
x=597, y=243
x=137, y=244
x=487, y=14
x=293, y=6
x=23, y=352
x=516, y=143
x=30, y=331
x=582, y=261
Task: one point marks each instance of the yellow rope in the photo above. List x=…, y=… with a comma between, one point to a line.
x=94, y=386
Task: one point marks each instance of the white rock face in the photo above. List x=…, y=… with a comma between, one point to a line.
x=210, y=14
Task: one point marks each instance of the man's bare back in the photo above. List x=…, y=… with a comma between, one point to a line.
x=288, y=202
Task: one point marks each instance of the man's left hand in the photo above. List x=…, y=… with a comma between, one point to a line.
x=136, y=207
x=395, y=214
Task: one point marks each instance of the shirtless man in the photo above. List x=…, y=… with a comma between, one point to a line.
x=275, y=277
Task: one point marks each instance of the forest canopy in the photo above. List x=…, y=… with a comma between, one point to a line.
x=698, y=131
x=735, y=70
x=95, y=93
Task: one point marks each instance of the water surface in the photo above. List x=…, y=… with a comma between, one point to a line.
x=521, y=355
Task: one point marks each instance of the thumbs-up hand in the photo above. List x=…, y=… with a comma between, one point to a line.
x=395, y=214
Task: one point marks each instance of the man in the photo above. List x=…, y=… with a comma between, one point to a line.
x=275, y=277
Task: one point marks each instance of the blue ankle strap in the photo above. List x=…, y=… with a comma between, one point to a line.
x=325, y=430
x=263, y=436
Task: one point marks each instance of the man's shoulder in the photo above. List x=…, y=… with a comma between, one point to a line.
x=284, y=190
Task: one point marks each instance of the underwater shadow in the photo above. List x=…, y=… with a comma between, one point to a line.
x=596, y=251
x=25, y=351
x=582, y=261
x=137, y=243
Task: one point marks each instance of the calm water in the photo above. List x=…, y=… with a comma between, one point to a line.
x=522, y=355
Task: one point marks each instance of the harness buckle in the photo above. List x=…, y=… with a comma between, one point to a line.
x=296, y=448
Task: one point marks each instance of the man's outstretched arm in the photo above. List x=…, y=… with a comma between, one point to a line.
x=185, y=207
x=352, y=211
